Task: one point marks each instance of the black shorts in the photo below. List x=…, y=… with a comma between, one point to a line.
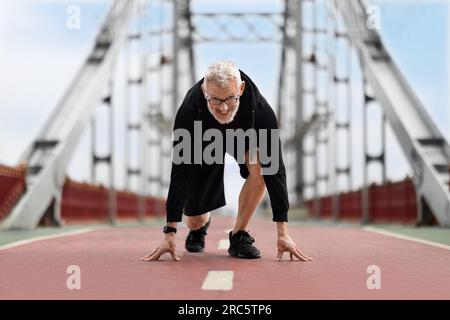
x=207, y=191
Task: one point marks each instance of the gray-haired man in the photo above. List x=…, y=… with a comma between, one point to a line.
x=226, y=99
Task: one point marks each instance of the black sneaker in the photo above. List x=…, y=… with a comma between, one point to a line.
x=241, y=245
x=195, y=241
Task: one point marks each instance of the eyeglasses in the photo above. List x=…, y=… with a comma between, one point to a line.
x=231, y=101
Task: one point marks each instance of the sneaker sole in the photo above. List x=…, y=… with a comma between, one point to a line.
x=240, y=256
x=195, y=250
x=248, y=257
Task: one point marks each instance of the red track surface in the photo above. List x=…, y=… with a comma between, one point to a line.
x=111, y=269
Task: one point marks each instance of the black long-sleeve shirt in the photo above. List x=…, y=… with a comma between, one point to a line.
x=254, y=111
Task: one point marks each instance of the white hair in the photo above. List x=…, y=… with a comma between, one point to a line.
x=222, y=72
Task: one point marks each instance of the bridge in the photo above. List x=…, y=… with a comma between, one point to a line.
x=332, y=60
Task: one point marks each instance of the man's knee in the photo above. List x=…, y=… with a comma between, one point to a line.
x=196, y=222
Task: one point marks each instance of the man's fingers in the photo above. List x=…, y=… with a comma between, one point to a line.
x=157, y=255
x=305, y=257
x=279, y=255
x=298, y=255
x=146, y=257
x=174, y=256
x=154, y=256
x=290, y=253
x=149, y=258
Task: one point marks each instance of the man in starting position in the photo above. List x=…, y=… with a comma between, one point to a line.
x=226, y=99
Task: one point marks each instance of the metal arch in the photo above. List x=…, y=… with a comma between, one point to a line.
x=49, y=154
x=423, y=144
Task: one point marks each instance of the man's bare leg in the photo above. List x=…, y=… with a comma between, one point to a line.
x=196, y=222
x=251, y=195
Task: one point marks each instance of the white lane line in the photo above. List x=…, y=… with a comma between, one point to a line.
x=398, y=236
x=218, y=280
x=55, y=236
x=223, y=244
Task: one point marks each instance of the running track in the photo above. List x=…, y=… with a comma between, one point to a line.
x=111, y=268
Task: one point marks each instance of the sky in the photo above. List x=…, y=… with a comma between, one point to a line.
x=39, y=56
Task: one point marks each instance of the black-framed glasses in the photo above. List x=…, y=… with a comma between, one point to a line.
x=230, y=101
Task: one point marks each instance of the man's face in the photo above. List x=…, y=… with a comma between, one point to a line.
x=223, y=102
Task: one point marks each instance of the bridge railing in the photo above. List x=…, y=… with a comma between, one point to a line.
x=83, y=202
x=392, y=202
x=12, y=185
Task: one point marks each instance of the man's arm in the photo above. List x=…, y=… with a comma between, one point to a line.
x=275, y=183
x=180, y=173
x=177, y=194
x=277, y=189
